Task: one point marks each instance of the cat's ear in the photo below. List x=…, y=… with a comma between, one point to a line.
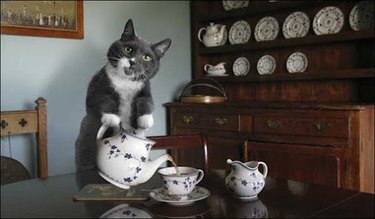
x=161, y=47
x=129, y=32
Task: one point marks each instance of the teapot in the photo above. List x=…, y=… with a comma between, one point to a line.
x=217, y=69
x=122, y=159
x=215, y=35
x=245, y=181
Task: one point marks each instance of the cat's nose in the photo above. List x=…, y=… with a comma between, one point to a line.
x=131, y=62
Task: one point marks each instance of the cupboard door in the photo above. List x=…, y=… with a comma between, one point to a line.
x=298, y=162
x=221, y=149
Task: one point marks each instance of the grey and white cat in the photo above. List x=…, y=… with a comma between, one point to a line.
x=120, y=92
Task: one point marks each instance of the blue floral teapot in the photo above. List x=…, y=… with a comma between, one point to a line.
x=122, y=159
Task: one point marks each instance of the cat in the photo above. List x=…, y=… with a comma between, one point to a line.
x=119, y=94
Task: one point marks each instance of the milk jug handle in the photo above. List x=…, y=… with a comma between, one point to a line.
x=265, y=169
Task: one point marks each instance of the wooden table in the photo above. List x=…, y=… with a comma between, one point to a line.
x=53, y=197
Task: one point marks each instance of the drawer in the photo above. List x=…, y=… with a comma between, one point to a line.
x=302, y=126
x=204, y=121
x=218, y=121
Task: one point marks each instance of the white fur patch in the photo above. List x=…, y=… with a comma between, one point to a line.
x=111, y=120
x=145, y=121
x=127, y=90
x=124, y=62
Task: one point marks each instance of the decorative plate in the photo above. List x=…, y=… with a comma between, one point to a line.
x=267, y=28
x=197, y=194
x=297, y=62
x=229, y=5
x=328, y=20
x=362, y=16
x=266, y=65
x=297, y=24
x=239, y=32
x=241, y=66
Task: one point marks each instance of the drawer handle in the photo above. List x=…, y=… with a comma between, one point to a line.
x=221, y=120
x=273, y=123
x=4, y=124
x=23, y=122
x=322, y=126
x=187, y=119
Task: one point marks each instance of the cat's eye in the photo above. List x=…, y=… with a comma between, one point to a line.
x=146, y=58
x=128, y=49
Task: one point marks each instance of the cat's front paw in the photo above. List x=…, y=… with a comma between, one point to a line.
x=111, y=120
x=145, y=121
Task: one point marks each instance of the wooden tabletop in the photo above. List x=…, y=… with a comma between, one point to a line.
x=53, y=197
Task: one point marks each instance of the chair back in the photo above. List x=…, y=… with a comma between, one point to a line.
x=26, y=122
x=186, y=150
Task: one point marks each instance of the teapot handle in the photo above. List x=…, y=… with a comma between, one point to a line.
x=265, y=169
x=199, y=34
x=101, y=132
x=205, y=67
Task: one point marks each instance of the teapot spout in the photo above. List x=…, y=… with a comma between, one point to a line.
x=150, y=167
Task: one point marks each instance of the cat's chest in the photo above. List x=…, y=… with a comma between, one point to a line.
x=127, y=90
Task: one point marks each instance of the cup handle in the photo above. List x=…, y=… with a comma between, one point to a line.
x=200, y=177
x=265, y=168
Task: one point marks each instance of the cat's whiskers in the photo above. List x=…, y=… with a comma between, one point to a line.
x=114, y=51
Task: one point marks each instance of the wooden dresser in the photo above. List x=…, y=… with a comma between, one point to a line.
x=316, y=126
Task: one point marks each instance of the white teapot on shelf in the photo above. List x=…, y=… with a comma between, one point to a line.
x=215, y=35
x=122, y=159
x=245, y=181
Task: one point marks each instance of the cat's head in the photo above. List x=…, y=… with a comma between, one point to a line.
x=133, y=58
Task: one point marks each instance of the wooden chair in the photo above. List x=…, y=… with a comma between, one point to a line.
x=186, y=150
x=26, y=122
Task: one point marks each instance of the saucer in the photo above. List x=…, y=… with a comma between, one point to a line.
x=197, y=194
x=217, y=74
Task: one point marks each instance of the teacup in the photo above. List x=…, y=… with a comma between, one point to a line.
x=180, y=184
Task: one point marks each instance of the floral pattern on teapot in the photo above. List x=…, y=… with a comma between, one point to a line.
x=122, y=159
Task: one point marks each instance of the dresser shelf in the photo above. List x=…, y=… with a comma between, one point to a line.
x=255, y=8
x=313, y=75
x=282, y=43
